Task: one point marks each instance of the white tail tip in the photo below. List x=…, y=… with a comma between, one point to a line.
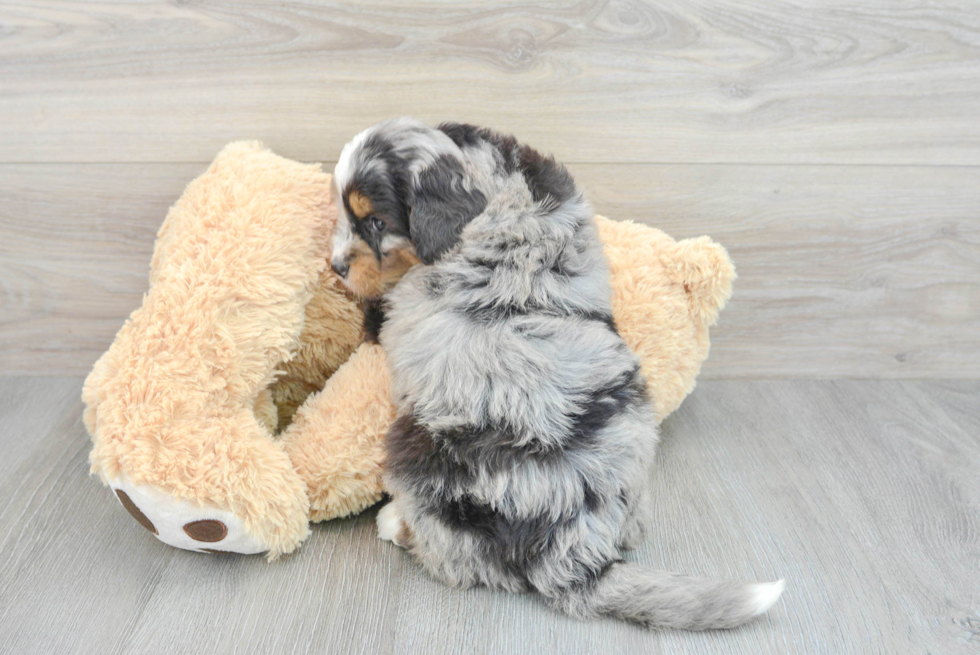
x=766, y=595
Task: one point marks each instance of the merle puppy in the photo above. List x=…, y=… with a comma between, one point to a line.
x=521, y=455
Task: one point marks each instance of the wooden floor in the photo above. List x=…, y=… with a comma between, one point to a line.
x=862, y=494
x=833, y=146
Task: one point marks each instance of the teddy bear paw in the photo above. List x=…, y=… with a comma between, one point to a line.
x=184, y=524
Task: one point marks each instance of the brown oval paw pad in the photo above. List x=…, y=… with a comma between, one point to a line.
x=208, y=530
x=134, y=511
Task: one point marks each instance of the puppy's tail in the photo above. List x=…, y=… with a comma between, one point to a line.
x=658, y=599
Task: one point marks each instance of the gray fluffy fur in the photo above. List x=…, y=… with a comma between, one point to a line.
x=521, y=458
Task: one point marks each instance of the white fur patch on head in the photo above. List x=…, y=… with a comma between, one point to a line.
x=418, y=143
x=344, y=169
x=341, y=243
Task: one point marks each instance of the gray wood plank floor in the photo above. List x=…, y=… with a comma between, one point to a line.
x=864, y=495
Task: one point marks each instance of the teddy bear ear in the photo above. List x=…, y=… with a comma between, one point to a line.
x=707, y=273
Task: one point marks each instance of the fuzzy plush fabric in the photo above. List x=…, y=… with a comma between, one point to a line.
x=235, y=405
x=666, y=294
x=181, y=401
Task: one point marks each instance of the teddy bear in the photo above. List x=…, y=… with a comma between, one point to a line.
x=239, y=402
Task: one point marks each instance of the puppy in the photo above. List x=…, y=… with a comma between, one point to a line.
x=521, y=456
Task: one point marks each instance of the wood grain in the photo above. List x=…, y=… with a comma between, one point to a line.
x=843, y=271
x=74, y=257
x=832, y=81
x=862, y=494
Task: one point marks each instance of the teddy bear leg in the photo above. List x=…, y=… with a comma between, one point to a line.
x=227, y=487
x=336, y=440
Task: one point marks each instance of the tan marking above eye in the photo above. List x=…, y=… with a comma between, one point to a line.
x=360, y=204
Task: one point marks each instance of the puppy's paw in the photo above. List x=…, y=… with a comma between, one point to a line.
x=389, y=523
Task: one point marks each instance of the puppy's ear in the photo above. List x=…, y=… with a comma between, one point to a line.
x=441, y=206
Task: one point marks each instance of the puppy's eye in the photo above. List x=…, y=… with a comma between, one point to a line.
x=377, y=224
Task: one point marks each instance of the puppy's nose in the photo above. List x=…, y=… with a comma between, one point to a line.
x=340, y=269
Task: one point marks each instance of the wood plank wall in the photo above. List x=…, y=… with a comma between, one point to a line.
x=832, y=146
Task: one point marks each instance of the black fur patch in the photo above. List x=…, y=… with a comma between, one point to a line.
x=515, y=539
x=502, y=312
x=591, y=499
x=606, y=403
x=374, y=318
x=515, y=545
x=602, y=317
x=493, y=448
x=545, y=177
x=462, y=134
x=453, y=458
x=464, y=513
x=441, y=208
x=512, y=545
x=414, y=455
